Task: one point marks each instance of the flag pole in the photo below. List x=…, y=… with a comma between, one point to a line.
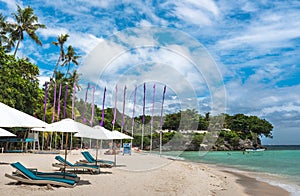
x=45, y=109
x=161, y=114
x=91, y=121
x=151, y=130
x=132, y=124
x=122, y=125
x=53, y=112
x=113, y=125
x=102, y=116
x=143, y=118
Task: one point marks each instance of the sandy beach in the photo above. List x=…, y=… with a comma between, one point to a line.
x=137, y=174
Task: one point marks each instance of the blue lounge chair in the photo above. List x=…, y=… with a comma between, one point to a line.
x=91, y=168
x=28, y=177
x=64, y=175
x=90, y=159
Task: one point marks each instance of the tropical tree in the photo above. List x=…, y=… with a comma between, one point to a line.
x=19, y=83
x=61, y=40
x=70, y=57
x=26, y=21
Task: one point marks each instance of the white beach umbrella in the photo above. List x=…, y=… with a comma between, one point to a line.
x=4, y=133
x=97, y=132
x=10, y=117
x=65, y=126
x=119, y=135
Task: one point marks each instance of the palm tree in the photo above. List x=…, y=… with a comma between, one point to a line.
x=26, y=21
x=74, y=78
x=5, y=28
x=60, y=42
x=71, y=57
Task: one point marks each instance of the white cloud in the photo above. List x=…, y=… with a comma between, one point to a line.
x=196, y=12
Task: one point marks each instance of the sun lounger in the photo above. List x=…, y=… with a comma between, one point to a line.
x=27, y=176
x=89, y=159
x=75, y=167
x=64, y=175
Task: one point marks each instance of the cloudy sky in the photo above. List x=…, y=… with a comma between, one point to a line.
x=240, y=57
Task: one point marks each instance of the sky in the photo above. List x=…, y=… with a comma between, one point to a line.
x=216, y=56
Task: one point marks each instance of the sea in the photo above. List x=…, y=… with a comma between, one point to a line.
x=278, y=165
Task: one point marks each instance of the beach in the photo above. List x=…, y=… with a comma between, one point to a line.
x=137, y=174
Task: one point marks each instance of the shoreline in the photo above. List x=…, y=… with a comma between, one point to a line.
x=256, y=187
x=246, y=179
x=137, y=174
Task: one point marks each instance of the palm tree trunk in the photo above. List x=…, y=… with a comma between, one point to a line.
x=68, y=69
x=17, y=47
x=55, y=68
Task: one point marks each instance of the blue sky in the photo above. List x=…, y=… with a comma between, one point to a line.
x=252, y=45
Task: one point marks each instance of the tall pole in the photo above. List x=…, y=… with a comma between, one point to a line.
x=73, y=103
x=58, y=114
x=132, y=124
x=91, y=121
x=113, y=125
x=143, y=118
x=53, y=112
x=45, y=109
x=161, y=114
x=122, y=125
x=151, y=130
x=103, y=102
x=83, y=113
x=115, y=109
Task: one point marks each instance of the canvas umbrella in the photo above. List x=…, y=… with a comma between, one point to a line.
x=119, y=135
x=10, y=117
x=66, y=126
x=4, y=133
x=98, y=133
x=116, y=135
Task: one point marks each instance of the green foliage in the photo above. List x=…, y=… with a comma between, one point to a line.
x=247, y=124
x=26, y=21
x=185, y=120
x=19, y=83
x=197, y=139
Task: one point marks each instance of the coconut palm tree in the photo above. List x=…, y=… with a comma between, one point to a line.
x=61, y=40
x=70, y=57
x=26, y=21
x=5, y=28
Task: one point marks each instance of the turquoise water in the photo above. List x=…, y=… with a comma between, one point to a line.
x=282, y=163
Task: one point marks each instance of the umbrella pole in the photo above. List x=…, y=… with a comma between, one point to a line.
x=160, y=142
x=115, y=153
x=151, y=138
x=142, y=142
x=101, y=146
x=71, y=142
x=66, y=152
x=42, y=141
x=131, y=136
x=97, y=151
x=51, y=141
x=55, y=140
x=62, y=141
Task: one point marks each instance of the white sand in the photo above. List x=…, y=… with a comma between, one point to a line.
x=138, y=174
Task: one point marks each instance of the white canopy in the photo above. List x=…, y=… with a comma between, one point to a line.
x=10, y=117
x=97, y=132
x=65, y=125
x=101, y=133
x=4, y=133
x=119, y=135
